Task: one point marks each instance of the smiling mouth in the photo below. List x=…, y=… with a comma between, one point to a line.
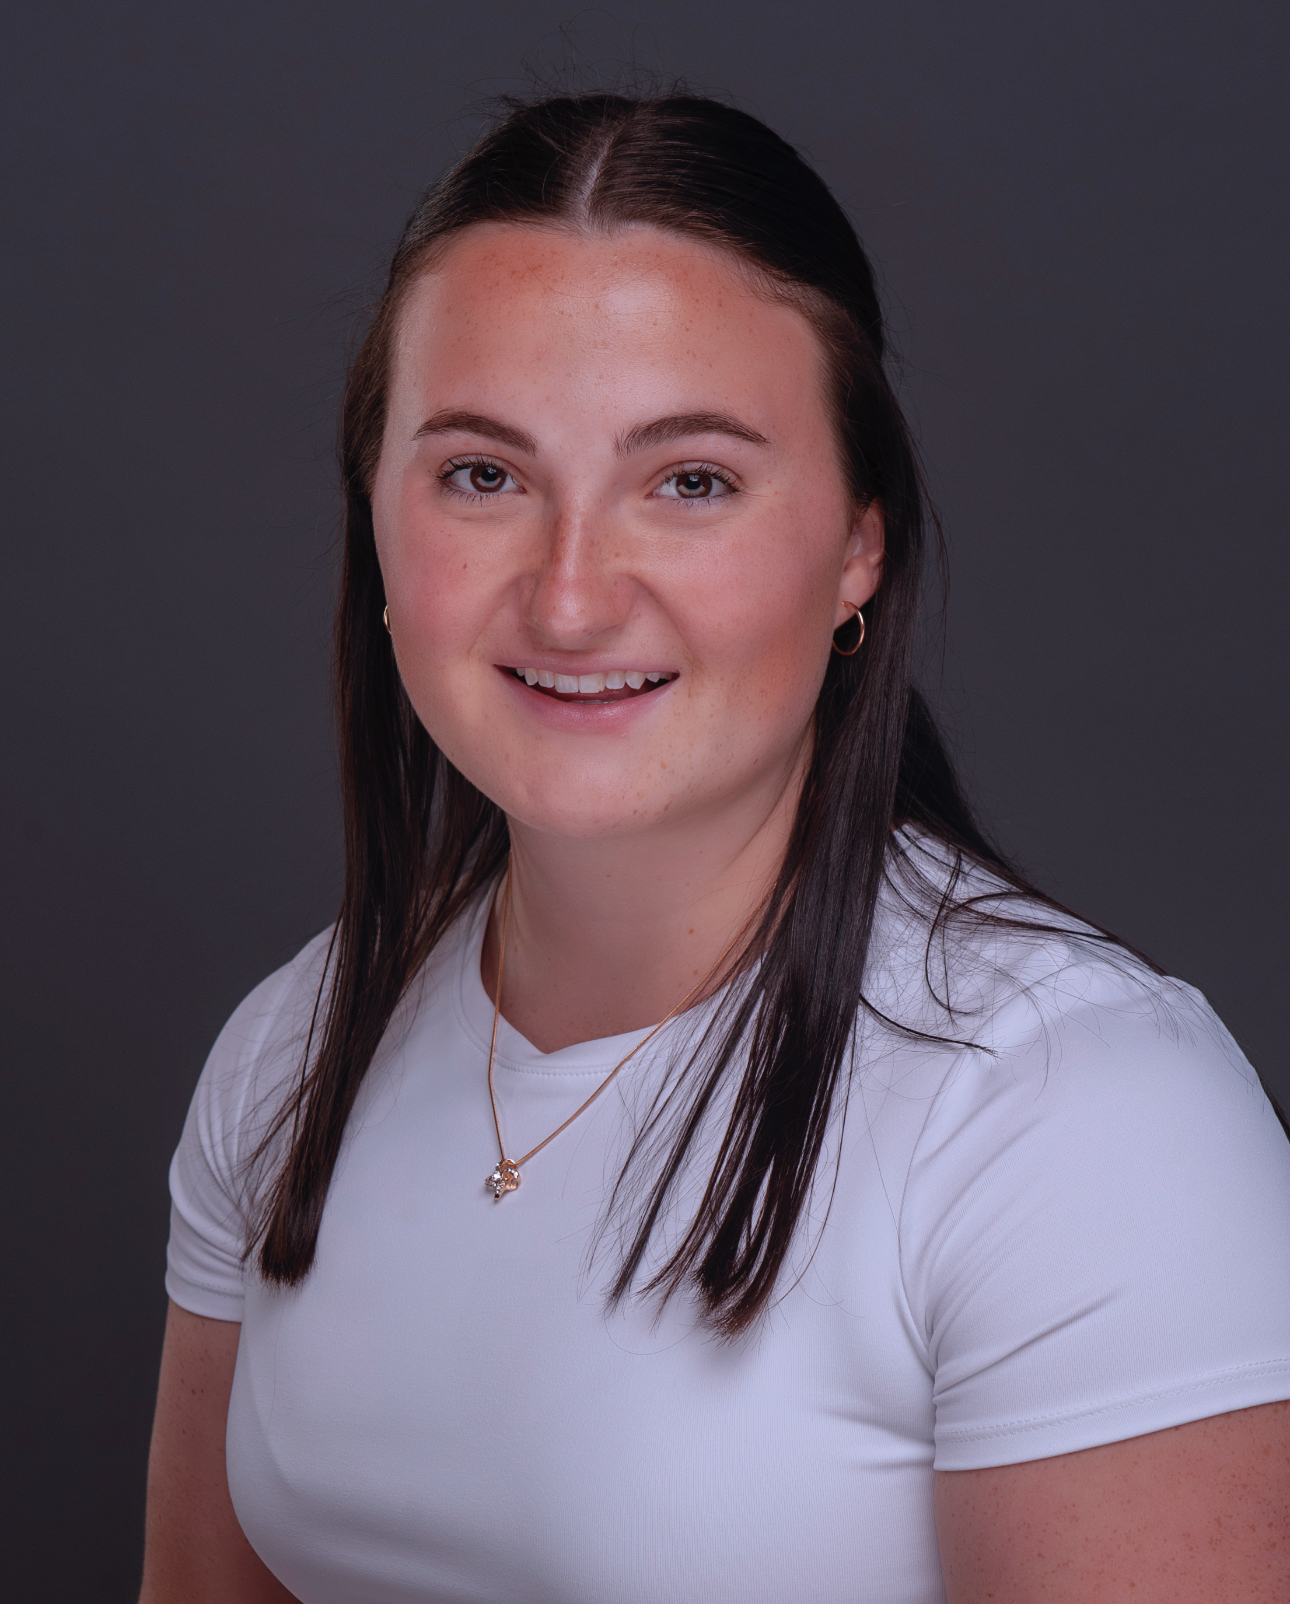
x=617, y=686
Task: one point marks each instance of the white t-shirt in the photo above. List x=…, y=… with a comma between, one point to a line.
x=1070, y=1232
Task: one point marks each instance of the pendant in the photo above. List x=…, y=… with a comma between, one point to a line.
x=505, y=1178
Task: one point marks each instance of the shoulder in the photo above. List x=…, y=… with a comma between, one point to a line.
x=260, y=1055
x=1068, y=1033
x=1060, y=1077
x=1099, y=1061
x=262, y=1042
x=240, y=1090
x=966, y=959
x=1092, y=1216
x=253, y=1062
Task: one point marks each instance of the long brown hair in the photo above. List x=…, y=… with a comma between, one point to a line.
x=421, y=842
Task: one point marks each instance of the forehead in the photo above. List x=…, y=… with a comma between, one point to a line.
x=514, y=297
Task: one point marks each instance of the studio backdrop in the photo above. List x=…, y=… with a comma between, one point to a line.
x=1078, y=213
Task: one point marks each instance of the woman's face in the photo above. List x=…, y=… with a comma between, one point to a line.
x=613, y=527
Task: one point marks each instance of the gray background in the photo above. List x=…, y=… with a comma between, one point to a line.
x=1078, y=213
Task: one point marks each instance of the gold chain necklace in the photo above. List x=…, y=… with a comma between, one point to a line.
x=506, y=1174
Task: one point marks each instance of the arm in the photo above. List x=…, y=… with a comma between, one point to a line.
x=195, y=1551
x=1198, y=1514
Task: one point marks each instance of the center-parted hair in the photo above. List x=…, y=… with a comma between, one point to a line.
x=421, y=843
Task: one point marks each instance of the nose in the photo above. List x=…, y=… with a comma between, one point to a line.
x=579, y=592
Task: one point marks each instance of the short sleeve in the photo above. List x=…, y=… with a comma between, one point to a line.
x=1094, y=1232
x=239, y=1091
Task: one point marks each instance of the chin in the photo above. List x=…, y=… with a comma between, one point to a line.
x=590, y=815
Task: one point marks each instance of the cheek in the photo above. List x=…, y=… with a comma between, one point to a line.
x=435, y=596
x=760, y=628
x=439, y=584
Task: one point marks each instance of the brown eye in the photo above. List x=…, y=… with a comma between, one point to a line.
x=482, y=480
x=693, y=484
x=699, y=483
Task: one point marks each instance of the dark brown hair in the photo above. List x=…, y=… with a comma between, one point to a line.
x=421, y=842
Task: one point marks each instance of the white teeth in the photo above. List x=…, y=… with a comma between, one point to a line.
x=591, y=684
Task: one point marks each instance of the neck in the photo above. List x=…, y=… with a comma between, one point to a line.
x=610, y=934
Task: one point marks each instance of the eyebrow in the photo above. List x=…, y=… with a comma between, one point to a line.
x=676, y=426
x=452, y=421
x=680, y=424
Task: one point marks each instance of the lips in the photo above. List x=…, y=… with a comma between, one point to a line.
x=613, y=685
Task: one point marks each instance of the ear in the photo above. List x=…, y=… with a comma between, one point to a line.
x=862, y=565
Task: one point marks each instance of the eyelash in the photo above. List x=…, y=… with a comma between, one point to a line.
x=458, y=463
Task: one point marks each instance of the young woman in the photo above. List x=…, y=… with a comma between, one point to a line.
x=695, y=1166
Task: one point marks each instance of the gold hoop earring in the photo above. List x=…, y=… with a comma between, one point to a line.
x=386, y=616
x=850, y=651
